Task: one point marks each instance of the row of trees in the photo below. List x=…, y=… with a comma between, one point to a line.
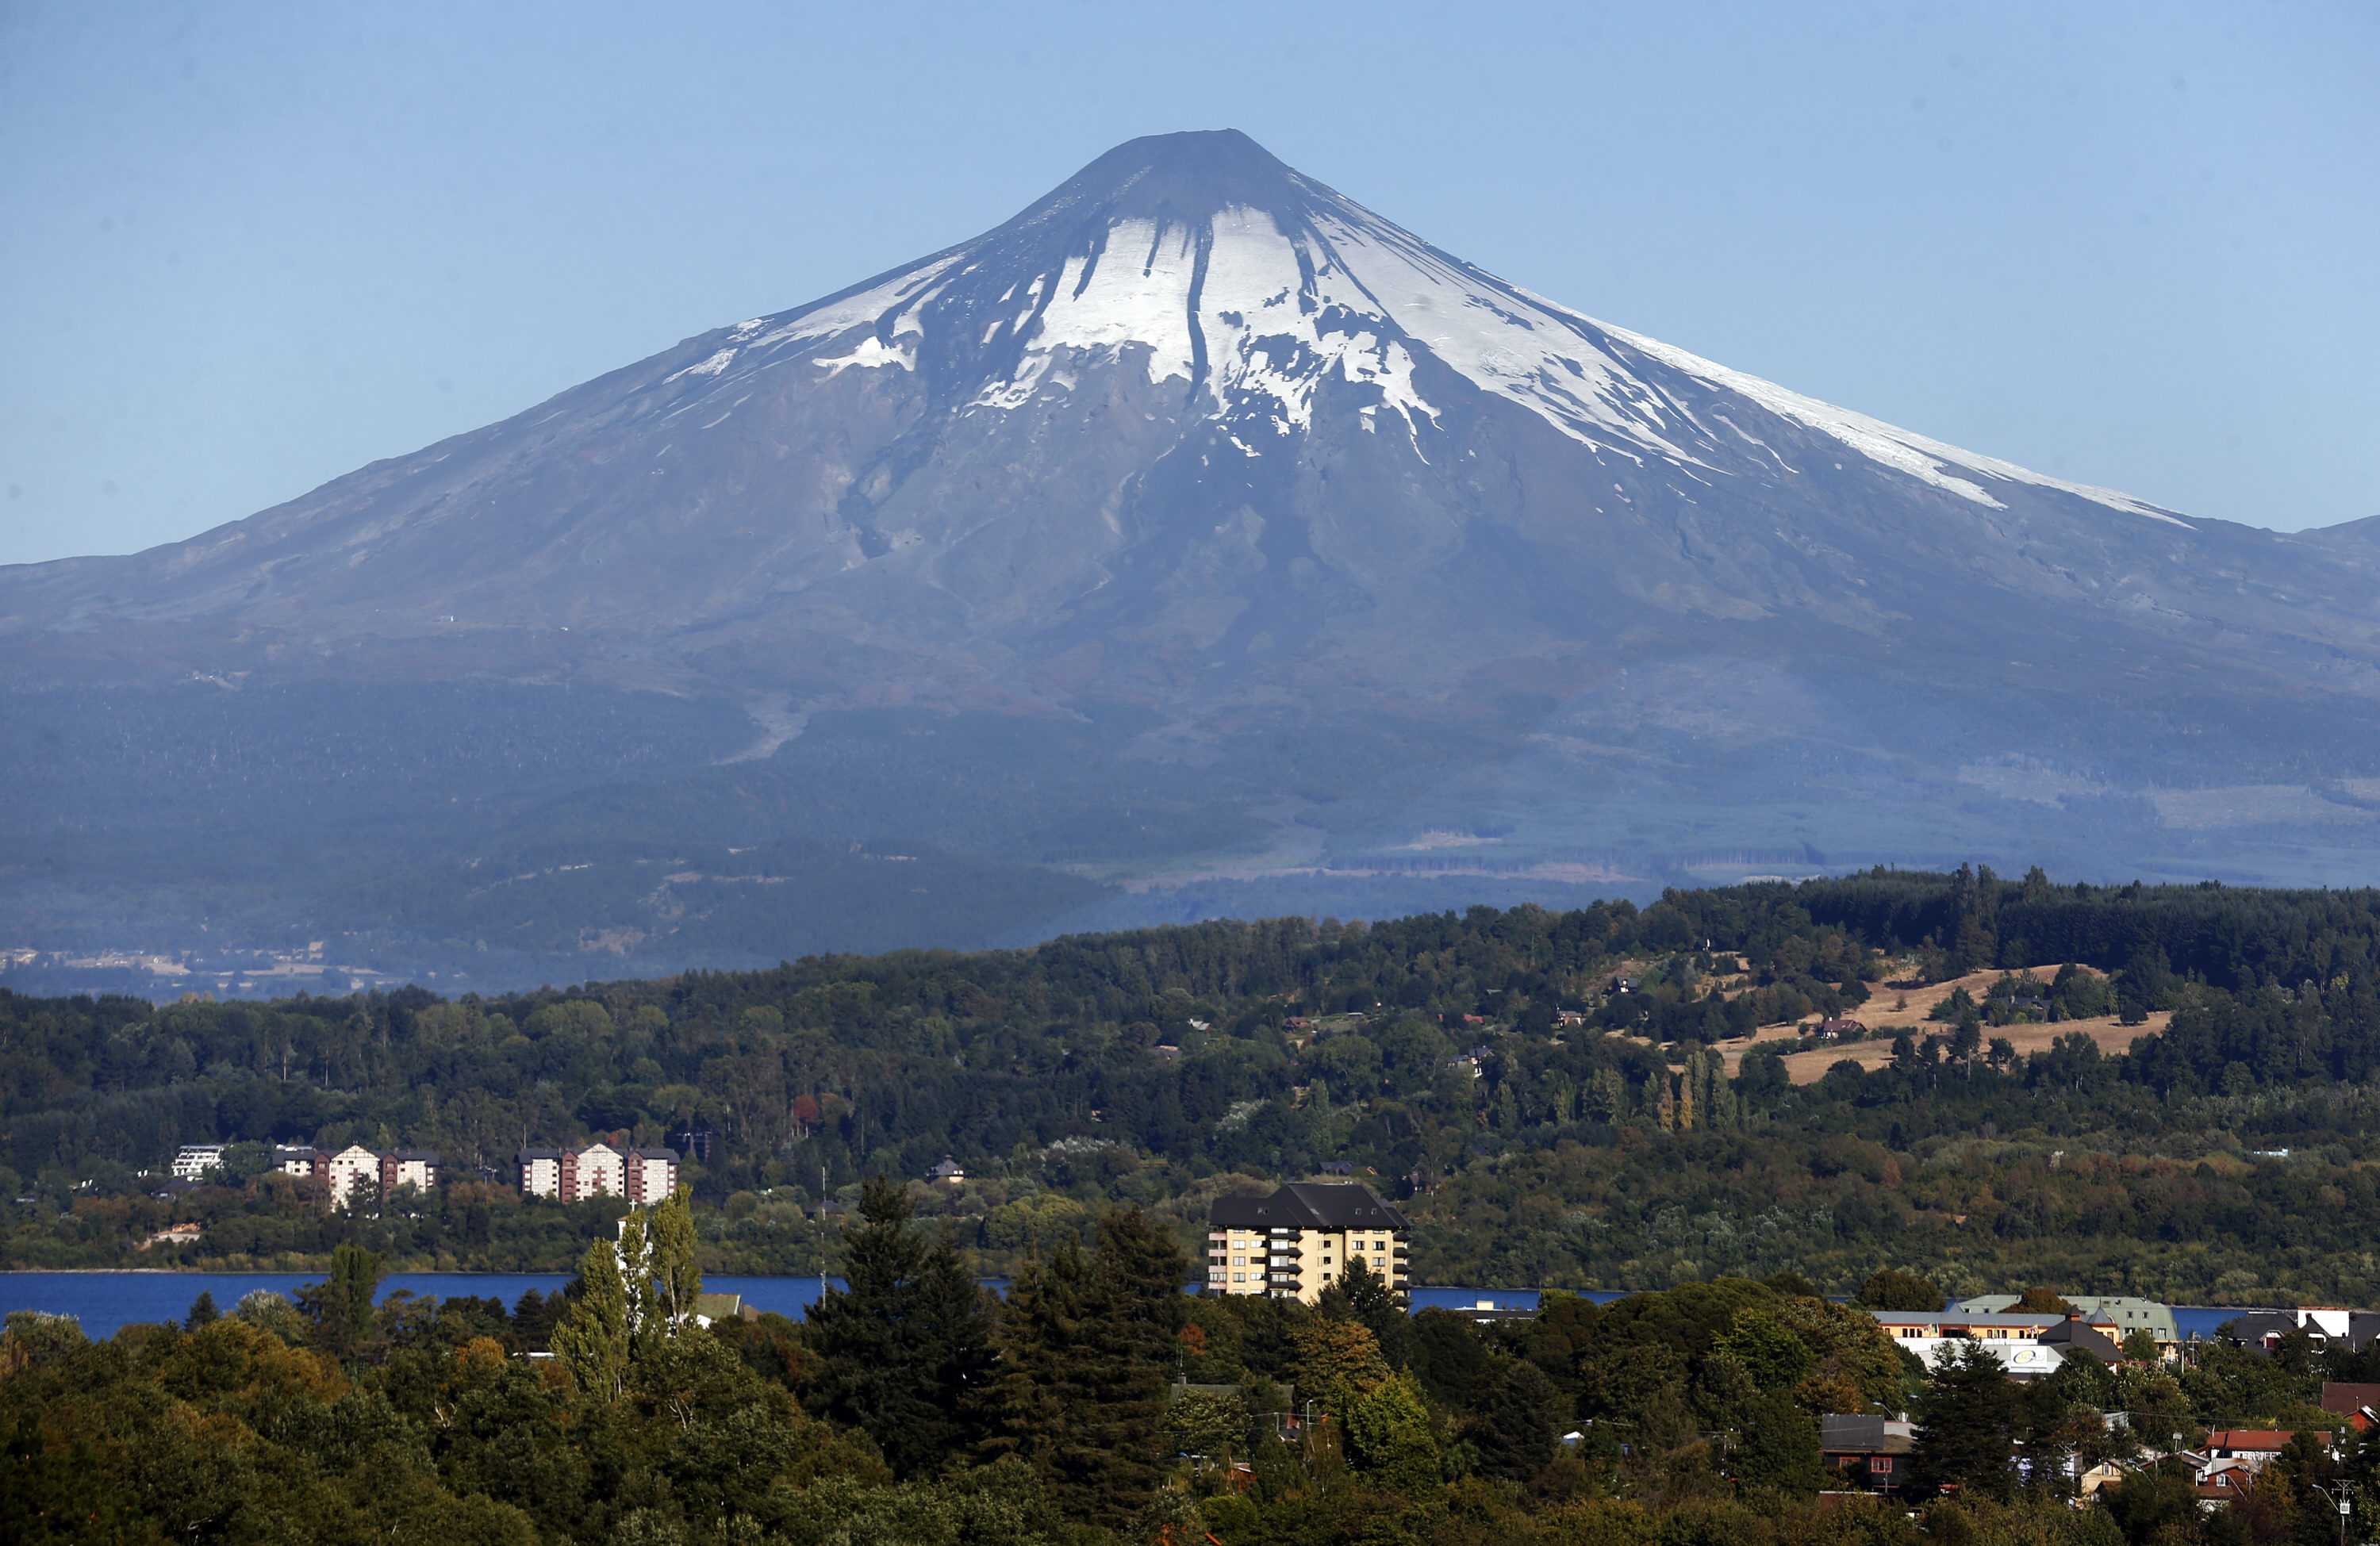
x=1095, y=1403
x=1607, y=1158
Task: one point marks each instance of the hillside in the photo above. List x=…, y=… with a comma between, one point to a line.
x=1542, y=1128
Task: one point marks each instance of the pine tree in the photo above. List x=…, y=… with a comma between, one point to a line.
x=1085, y=1345
x=1515, y=1434
x=1778, y=1447
x=1365, y=1297
x=906, y=1348
x=1973, y=1416
x=1036, y=1328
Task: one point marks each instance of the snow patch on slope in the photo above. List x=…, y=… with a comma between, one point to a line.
x=1283, y=319
x=1502, y=343
x=1903, y=450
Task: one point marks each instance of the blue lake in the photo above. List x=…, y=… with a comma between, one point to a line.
x=104, y=1301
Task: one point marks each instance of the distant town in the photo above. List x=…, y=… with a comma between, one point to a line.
x=315, y=966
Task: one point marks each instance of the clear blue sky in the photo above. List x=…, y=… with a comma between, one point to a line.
x=245, y=247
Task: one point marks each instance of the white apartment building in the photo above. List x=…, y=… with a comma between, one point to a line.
x=651, y=1173
x=192, y=1161
x=350, y=1168
x=602, y=1171
x=598, y=1170
x=417, y=1168
x=1303, y=1238
x=541, y=1171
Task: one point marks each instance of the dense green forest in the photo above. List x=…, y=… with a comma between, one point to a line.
x=1541, y=1127
x=1097, y=1405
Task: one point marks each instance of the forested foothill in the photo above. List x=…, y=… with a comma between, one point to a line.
x=1542, y=1126
x=1097, y=1404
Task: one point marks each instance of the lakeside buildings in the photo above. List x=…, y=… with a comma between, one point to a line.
x=1298, y=1241
x=2121, y=1312
x=384, y=1172
x=598, y=1170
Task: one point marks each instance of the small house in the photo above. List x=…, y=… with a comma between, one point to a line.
x=948, y=1172
x=1867, y=1452
x=2251, y=1448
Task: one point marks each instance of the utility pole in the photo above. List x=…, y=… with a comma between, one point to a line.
x=2342, y=1501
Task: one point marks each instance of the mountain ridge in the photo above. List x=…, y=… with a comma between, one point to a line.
x=1301, y=522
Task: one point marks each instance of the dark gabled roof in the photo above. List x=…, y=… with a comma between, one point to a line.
x=2077, y=1336
x=404, y=1155
x=527, y=1155
x=669, y=1155
x=1864, y=1435
x=1308, y=1205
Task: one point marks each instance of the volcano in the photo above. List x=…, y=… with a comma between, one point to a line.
x=1197, y=541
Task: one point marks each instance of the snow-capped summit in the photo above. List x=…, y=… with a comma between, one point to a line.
x=1205, y=261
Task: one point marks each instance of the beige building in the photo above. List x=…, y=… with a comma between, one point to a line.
x=598, y=1170
x=650, y=1173
x=1303, y=1238
x=602, y=1172
x=351, y=1166
x=417, y=1168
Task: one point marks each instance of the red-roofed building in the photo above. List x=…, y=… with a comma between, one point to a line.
x=2251, y=1447
x=2228, y=1485
x=2359, y=1404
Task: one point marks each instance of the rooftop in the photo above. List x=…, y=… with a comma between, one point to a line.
x=1310, y=1205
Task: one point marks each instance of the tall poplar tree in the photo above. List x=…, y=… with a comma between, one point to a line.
x=905, y=1348
x=593, y=1338
x=677, y=1282
x=341, y=1307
